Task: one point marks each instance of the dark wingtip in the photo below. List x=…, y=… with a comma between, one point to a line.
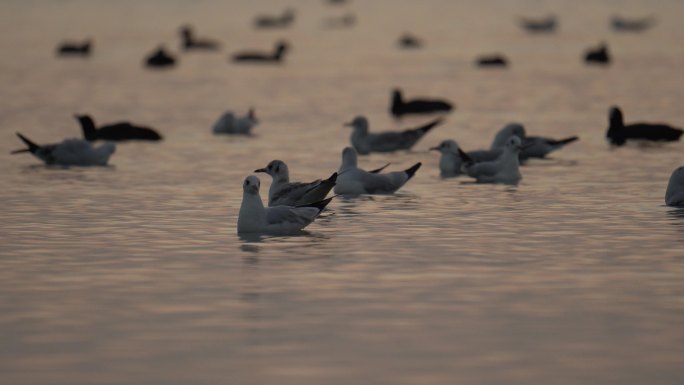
x=333, y=178
x=411, y=171
x=566, y=140
x=320, y=205
x=465, y=157
x=31, y=146
x=431, y=125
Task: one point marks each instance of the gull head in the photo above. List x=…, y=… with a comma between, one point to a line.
x=276, y=169
x=359, y=123
x=251, y=185
x=349, y=157
x=448, y=146
x=514, y=144
x=509, y=130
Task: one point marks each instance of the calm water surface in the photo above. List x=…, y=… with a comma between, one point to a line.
x=134, y=274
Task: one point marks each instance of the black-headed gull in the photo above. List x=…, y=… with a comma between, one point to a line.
x=115, y=131
x=505, y=169
x=674, y=196
x=532, y=146
x=285, y=193
x=229, y=123
x=400, y=107
x=352, y=180
x=618, y=132
x=255, y=218
x=365, y=142
x=450, y=161
x=71, y=152
x=621, y=24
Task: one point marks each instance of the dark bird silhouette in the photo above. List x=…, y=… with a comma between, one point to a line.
x=160, y=59
x=408, y=41
x=115, y=131
x=190, y=42
x=282, y=21
x=598, y=55
x=75, y=49
x=399, y=107
x=544, y=25
x=260, y=57
x=618, y=133
x=620, y=24
x=491, y=61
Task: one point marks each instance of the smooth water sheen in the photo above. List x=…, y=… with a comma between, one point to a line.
x=134, y=274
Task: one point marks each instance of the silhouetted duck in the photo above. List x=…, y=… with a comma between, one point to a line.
x=618, y=133
x=491, y=61
x=260, y=57
x=408, y=41
x=598, y=55
x=620, y=24
x=544, y=25
x=160, y=59
x=282, y=21
x=75, y=49
x=400, y=107
x=191, y=42
x=344, y=21
x=115, y=131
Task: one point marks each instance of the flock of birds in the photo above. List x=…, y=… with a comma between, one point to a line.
x=294, y=205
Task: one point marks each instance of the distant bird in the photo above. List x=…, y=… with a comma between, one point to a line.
x=286, y=193
x=75, y=49
x=620, y=24
x=336, y=2
x=365, y=142
x=259, y=57
x=282, y=21
x=618, y=133
x=408, y=41
x=190, y=42
x=543, y=25
x=674, y=195
x=532, y=146
x=160, y=59
x=228, y=123
x=505, y=169
x=400, y=107
x=491, y=61
x=255, y=218
x=115, y=131
x=498, y=143
x=352, y=180
x=344, y=21
x=598, y=55
x=70, y=152
x=450, y=161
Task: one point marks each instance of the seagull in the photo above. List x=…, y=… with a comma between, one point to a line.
x=286, y=193
x=352, y=180
x=282, y=21
x=71, y=152
x=365, y=142
x=75, y=49
x=401, y=107
x=231, y=124
x=260, y=57
x=598, y=55
x=620, y=24
x=115, y=131
x=544, y=25
x=491, y=61
x=160, y=59
x=674, y=196
x=190, y=42
x=618, y=133
x=255, y=218
x=505, y=169
x=450, y=161
x=532, y=146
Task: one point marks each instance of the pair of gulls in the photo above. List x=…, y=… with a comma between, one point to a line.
x=294, y=205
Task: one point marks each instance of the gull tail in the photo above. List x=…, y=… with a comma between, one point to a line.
x=563, y=142
x=377, y=170
x=32, y=147
x=424, y=129
x=411, y=171
x=320, y=205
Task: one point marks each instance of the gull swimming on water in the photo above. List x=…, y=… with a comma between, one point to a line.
x=532, y=146
x=365, y=142
x=505, y=169
x=450, y=161
x=255, y=218
x=70, y=152
x=229, y=123
x=674, y=196
x=352, y=180
x=286, y=193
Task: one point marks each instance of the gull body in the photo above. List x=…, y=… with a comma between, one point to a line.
x=228, y=123
x=352, y=180
x=505, y=169
x=450, y=161
x=282, y=21
x=285, y=193
x=621, y=24
x=365, y=142
x=674, y=195
x=532, y=146
x=70, y=152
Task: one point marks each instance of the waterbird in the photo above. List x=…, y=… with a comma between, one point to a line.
x=70, y=152
x=280, y=49
x=190, y=42
x=399, y=106
x=365, y=142
x=408, y=41
x=532, y=146
x=70, y=48
x=255, y=218
x=621, y=24
x=674, y=195
x=351, y=180
x=282, y=21
x=229, y=123
x=498, y=143
x=160, y=59
x=450, y=161
x=285, y=193
x=115, y=131
x=547, y=24
x=494, y=60
x=345, y=21
x=598, y=55
x=505, y=169
x=618, y=132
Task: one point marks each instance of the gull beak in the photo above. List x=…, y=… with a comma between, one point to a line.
x=434, y=148
x=260, y=170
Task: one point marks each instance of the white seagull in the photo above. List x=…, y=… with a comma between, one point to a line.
x=450, y=161
x=352, y=180
x=70, y=152
x=228, y=123
x=365, y=142
x=674, y=196
x=255, y=218
x=505, y=169
x=286, y=193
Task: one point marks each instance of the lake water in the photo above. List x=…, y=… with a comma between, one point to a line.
x=134, y=273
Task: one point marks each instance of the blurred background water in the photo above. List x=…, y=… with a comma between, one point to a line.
x=134, y=274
